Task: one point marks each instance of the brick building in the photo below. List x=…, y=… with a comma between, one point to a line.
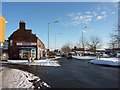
x=23, y=44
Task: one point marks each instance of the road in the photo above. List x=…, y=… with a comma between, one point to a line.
x=76, y=74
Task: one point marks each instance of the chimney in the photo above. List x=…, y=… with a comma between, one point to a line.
x=22, y=25
x=29, y=30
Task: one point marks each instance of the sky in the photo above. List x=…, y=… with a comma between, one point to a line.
x=100, y=18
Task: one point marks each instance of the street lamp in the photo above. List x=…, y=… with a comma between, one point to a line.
x=49, y=35
x=56, y=38
x=83, y=38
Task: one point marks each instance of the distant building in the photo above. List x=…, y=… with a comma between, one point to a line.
x=113, y=51
x=23, y=44
x=90, y=51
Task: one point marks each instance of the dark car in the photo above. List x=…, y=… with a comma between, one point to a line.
x=63, y=55
x=69, y=56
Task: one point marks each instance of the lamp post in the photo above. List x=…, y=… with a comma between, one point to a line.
x=83, y=39
x=49, y=36
x=56, y=39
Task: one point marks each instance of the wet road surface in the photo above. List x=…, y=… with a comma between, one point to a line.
x=76, y=74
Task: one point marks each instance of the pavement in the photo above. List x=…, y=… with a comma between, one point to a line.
x=14, y=78
x=43, y=62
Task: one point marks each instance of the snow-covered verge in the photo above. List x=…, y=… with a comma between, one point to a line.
x=84, y=57
x=45, y=62
x=107, y=61
x=13, y=78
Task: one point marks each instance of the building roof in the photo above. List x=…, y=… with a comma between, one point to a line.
x=23, y=34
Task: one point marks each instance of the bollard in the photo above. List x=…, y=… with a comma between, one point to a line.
x=29, y=60
x=32, y=60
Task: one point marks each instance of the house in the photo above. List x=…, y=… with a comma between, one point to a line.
x=113, y=51
x=23, y=44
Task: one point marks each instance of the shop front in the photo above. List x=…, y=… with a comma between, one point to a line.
x=24, y=45
x=27, y=52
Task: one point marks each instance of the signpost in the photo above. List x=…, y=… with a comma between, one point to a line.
x=2, y=34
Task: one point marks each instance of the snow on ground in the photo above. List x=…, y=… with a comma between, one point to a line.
x=1, y=77
x=107, y=61
x=13, y=78
x=110, y=59
x=84, y=57
x=102, y=61
x=45, y=62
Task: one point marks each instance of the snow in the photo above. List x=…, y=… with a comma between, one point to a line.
x=1, y=78
x=107, y=61
x=84, y=57
x=13, y=78
x=46, y=62
x=110, y=59
x=101, y=61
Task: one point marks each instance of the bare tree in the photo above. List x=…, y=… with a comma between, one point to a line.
x=94, y=43
x=115, y=38
x=113, y=41
x=82, y=43
x=66, y=48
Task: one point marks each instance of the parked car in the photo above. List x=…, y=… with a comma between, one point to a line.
x=105, y=55
x=63, y=55
x=69, y=56
x=118, y=54
x=4, y=57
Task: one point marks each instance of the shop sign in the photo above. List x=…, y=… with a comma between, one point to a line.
x=26, y=44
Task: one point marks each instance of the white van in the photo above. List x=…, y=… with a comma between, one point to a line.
x=118, y=54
